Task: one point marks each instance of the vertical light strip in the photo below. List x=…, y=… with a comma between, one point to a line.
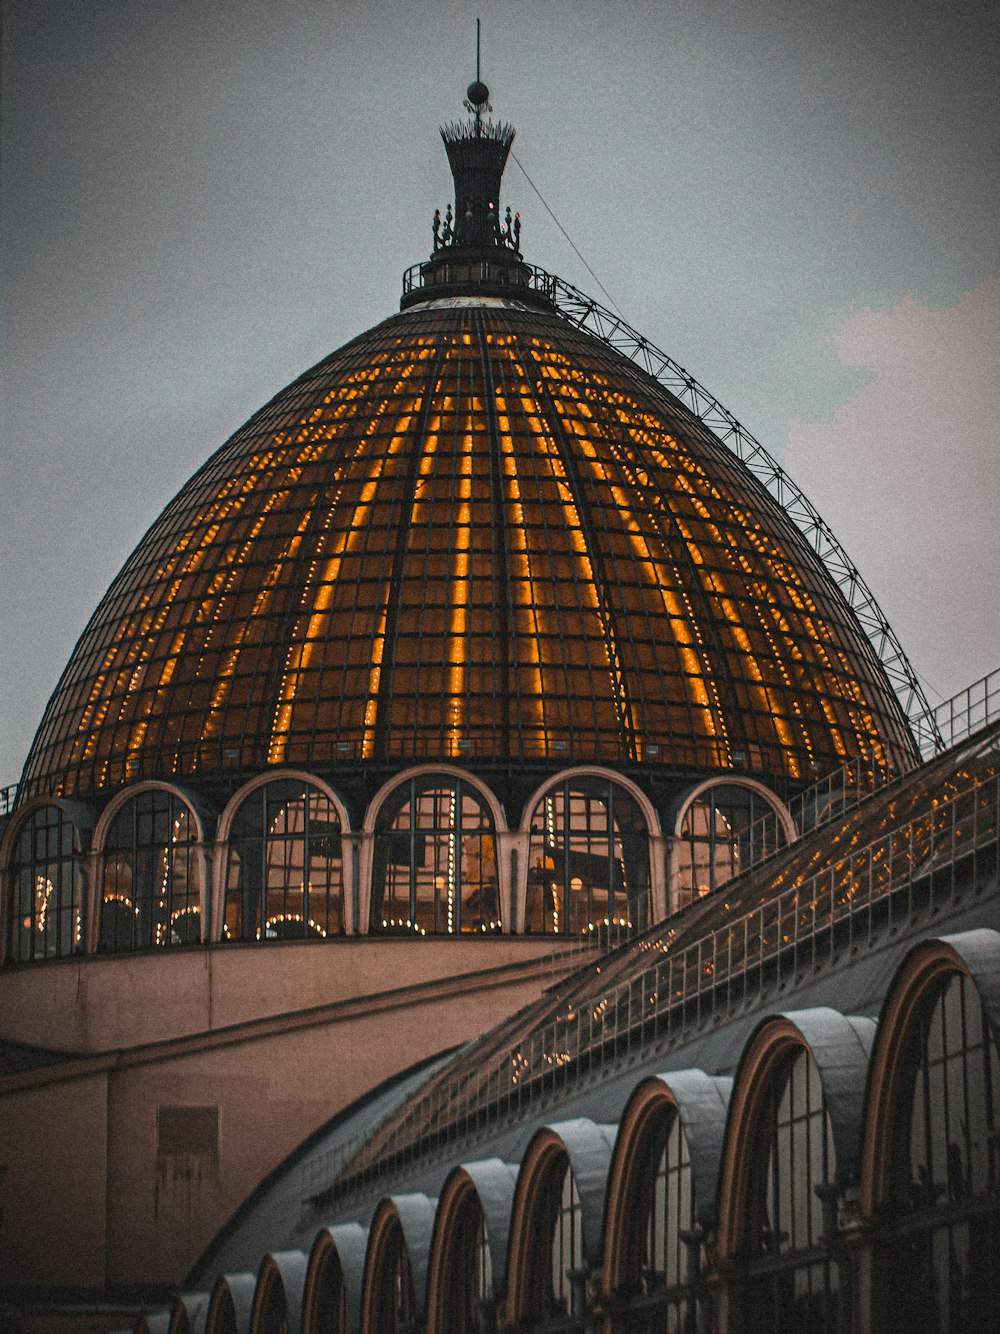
x=586, y=582
x=458, y=629
x=527, y=637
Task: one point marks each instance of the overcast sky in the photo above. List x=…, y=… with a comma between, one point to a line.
x=797, y=201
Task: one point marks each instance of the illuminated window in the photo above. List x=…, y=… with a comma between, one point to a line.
x=150, y=891
x=284, y=873
x=724, y=830
x=588, y=861
x=45, y=889
x=790, y=1284
x=435, y=867
x=946, y=1177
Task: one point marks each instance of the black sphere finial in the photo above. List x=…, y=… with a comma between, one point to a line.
x=477, y=93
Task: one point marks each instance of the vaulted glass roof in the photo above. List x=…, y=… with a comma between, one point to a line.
x=475, y=531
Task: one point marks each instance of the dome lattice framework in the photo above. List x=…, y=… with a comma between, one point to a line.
x=480, y=532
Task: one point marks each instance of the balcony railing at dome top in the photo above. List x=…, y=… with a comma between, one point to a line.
x=930, y=840
x=586, y=313
x=519, y=277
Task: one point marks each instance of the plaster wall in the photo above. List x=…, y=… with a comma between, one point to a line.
x=105, y=1003
x=104, y=1202
x=53, y=1167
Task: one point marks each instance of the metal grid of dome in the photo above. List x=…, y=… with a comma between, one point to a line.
x=475, y=531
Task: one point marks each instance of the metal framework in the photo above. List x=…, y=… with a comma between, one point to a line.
x=892, y=871
x=584, y=312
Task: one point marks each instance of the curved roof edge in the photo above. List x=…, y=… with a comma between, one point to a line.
x=585, y=313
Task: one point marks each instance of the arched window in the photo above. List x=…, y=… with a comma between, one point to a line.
x=669, y=1215
x=328, y=1312
x=945, y=1171
x=588, y=860
x=547, y=1282
x=284, y=865
x=790, y=1283
x=45, y=888
x=271, y=1310
x=566, y=1295
x=390, y=1290
x=150, y=892
x=435, y=867
x=651, y=1234
x=468, y=1273
x=727, y=828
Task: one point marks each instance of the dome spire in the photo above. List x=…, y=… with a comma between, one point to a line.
x=477, y=239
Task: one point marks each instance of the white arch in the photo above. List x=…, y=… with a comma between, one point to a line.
x=276, y=776
x=593, y=771
x=23, y=813
x=752, y=785
x=367, y=841
x=121, y=799
x=447, y=771
x=232, y=806
x=657, y=866
x=781, y=811
x=107, y=818
x=9, y=839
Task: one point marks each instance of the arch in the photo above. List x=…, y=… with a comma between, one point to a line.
x=427, y=770
x=559, y=1200
x=699, y=1103
x=703, y=853
x=127, y=794
x=189, y=1313
x=593, y=771
x=395, y=1281
x=152, y=872
x=975, y=953
x=331, y=1301
x=931, y=1167
x=277, y=1300
x=52, y=870
x=840, y=1047
x=270, y=829
x=434, y=863
x=587, y=866
x=792, y=1143
x=231, y=1304
x=469, y=1245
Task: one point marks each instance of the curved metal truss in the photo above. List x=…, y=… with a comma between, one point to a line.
x=585, y=313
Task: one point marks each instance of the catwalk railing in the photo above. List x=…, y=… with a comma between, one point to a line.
x=943, y=727
x=959, y=717
x=924, y=862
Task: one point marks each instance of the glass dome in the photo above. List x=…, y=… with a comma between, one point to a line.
x=476, y=531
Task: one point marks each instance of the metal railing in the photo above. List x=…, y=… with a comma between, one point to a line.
x=945, y=726
x=844, y=906
x=506, y=271
x=955, y=719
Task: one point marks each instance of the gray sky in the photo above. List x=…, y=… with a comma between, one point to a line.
x=797, y=201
